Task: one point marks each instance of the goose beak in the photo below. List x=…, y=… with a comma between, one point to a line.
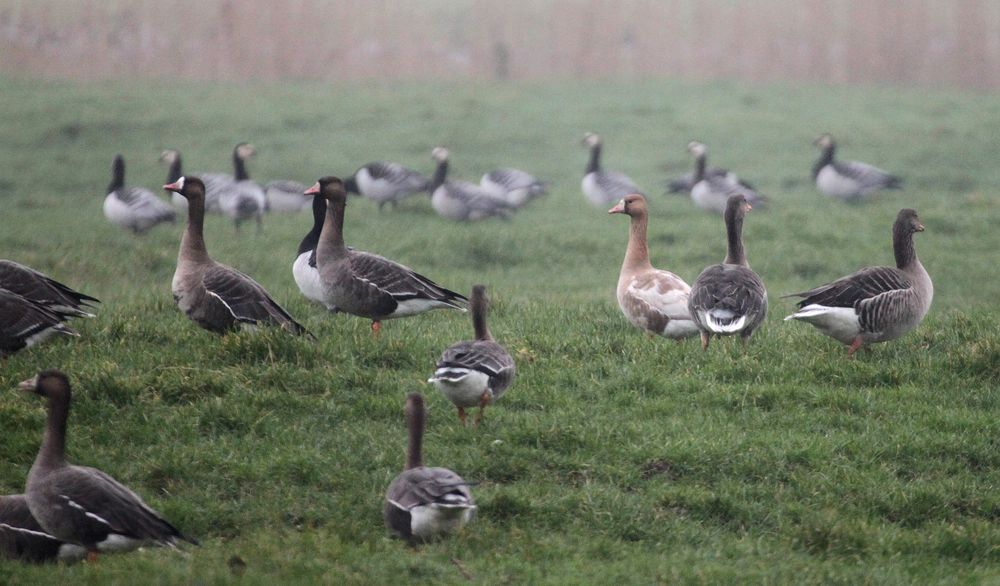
x=919, y=227
x=176, y=186
x=29, y=385
x=618, y=209
x=314, y=190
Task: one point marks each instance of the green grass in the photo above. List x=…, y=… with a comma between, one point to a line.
x=614, y=457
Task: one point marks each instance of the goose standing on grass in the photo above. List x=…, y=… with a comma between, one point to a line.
x=875, y=304
x=81, y=505
x=461, y=200
x=286, y=195
x=513, y=186
x=212, y=181
x=365, y=284
x=729, y=298
x=686, y=182
x=385, y=182
x=22, y=538
x=44, y=290
x=304, y=268
x=134, y=208
x=476, y=372
x=423, y=503
x=603, y=188
x=848, y=180
x=653, y=300
x=24, y=323
x=712, y=193
x=214, y=296
x=244, y=198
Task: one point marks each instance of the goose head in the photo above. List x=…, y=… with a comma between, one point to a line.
x=737, y=206
x=591, y=139
x=189, y=187
x=824, y=141
x=631, y=205
x=330, y=188
x=51, y=384
x=245, y=150
x=169, y=156
x=697, y=149
x=439, y=154
x=908, y=221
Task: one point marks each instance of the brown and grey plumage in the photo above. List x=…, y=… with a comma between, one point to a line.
x=875, y=304
x=729, y=298
x=24, y=323
x=44, y=290
x=422, y=503
x=848, y=180
x=22, y=538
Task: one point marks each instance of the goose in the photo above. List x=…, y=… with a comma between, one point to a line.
x=243, y=198
x=513, y=186
x=175, y=170
x=214, y=296
x=712, y=193
x=22, y=538
x=848, y=180
x=44, y=290
x=304, y=268
x=285, y=195
x=475, y=372
x=652, y=299
x=729, y=298
x=875, y=304
x=461, y=200
x=603, y=188
x=423, y=503
x=134, y=208
x=365, y=284
x=385, y=182
x=685, y=182
x=24, y=323
x=80, y=505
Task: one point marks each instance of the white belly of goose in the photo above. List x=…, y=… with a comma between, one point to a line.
x=428, y=521
x=447, y=206
x=832, y=183
x=379, y=190
x=307, y=278
x=118, y=212
x=840, y=323
x=706, y=198
x=462, y=386
x=723, y=321
x=593, y=191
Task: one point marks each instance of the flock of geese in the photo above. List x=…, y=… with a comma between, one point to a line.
x=72, y=512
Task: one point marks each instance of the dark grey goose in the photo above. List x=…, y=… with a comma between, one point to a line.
x=22, y=538
x=848, y=180
x=24, y=323
x=44, y=290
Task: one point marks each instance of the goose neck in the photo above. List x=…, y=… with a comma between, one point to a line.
x=825, y=158
x=117, y=175
x=174, y=172
x=594, y=164
x=319, y=216
x=53, y=449
x=735, y=255
x=479, y=325
x=903, y=249
x=700, y=162
x=193, y=241
x=239, y=166
x=440, y=174
x=637, y=252
x=415, y=444
x=331, y=238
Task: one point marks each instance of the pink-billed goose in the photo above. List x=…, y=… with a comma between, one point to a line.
x=423, y=503
x=24, y=323
x=365, y=284
x=81, y=505
x=134, y=208
x=475, y=372
x=44, y=290
x=848, y=180
x=652, y=299
x=712, y=193
x=603, y=188
x=386, y=182
x=22, y=538
x=214, y=296
x=875, y=304
x=729, y=298
x=461, y=200
x=514, y=186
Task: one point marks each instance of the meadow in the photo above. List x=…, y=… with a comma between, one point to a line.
x=615, y=457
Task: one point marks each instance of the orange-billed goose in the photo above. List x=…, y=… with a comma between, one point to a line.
x=81, y=505
x=386, y=182
x=875, y=304
x=652, y=299
x=24, y=323
x=514, y=186
x=423, y=503
x=602, y=187
x=44, y=290
x=729, y=298
x=712, y=192
x=22, y=538
x=848, y=180
x=365, y=284
x=474, y=372
x=461, y=200
x=134, y=208
x=214, y=296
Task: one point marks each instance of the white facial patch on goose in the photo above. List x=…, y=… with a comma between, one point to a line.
x=180, y=184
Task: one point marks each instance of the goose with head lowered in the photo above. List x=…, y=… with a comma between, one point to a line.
x=385, y=182
x=514, y=186
x=134, y=208
x=601, y=187
x=729, y=298
x=213, y=295
x=44, y=290
x=875, y=304
x=24, y=323
x=364, y=284
x=652, y=299
x=22, y=538
x=712, y=192
x=461, y=200
x=423, y=503
x=848, y=180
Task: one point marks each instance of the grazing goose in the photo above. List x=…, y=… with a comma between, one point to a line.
x=385, y=182
x=712, y=193
x=243, y=198
x=601, y=187
x=422, y=503
x=24, y=323
x=285, y=195
x=476, y=372
x=134, y=208
x=513, y=186
x=365, y=284
x=461, y=200
x=653, y=300
x=214, y=296
x=80, y=505
x=729, y=298
x=875, y=304
x=43, y=290
x=848, y=180
x=22, y=538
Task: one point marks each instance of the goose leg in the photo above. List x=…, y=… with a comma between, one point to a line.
x=260, y=224
x=376, y=327
x=92, y=556
x=484, y=400
x=854, y=347
x=461, y=415
x=704, y=340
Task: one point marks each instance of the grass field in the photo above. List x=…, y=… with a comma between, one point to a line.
x=614, y=458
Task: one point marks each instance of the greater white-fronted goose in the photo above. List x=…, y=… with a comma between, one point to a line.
x=729, y=298
x=286, y=195
x=712, y=193
x=44, y=290
x=652, y=299
x=386, y=182
x=461, y=200
x=875, y=304
x=848, y=180
x=134, y=208
x=603, y=188
x=81, y=505
x=214, y=296
x=423, y=503
x=24, y=323
x=514, y=186
x=474, y=372
x=22, y=538
x=365, y=284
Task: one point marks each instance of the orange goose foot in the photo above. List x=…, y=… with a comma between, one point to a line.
x=376, y=327
x=92, y=556
x=484, y=400
x=461, y=416
x=854, y=347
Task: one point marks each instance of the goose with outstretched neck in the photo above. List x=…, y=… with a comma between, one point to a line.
x=22, y=538
x=422, y=503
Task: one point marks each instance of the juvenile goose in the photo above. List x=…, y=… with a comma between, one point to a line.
x=513, y=186
x=134, y=208
x=365, y=284
x=653, y=300
x=602, y=187
x=848, y=180
x=243, y=198
x=24, y=323
x=22, y=538
x=80, y=505
x=875, y=304
x=44, y=290
x=711, y=193
x=385, y=182
x=175, y=170
x=475, y=372
x=461, y=200
x=422, y=503
x=214, y=296
x=729, y=298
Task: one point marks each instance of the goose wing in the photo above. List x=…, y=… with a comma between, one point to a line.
x=615, y=184
x=732, y=288
x=246, y=299
x=22, y=322
x=42, y=289
x=661, y=294
x=397, y=175
x=427, y=486
x=866, y=176
x=848, y=291
x=399, y=281
x=483, y=355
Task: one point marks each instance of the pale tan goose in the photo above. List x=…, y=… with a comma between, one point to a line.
x=24, y=323
x=848, y=180
x=44, y=290
x=712, y=192
x=365, y=284
x=475, y=372
x=216, y=297
x=423, y=503
x=875, y=304
x=729, y=298
x=653, y=300
x=81, y=505
x=22, y=538
x=134, y=208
